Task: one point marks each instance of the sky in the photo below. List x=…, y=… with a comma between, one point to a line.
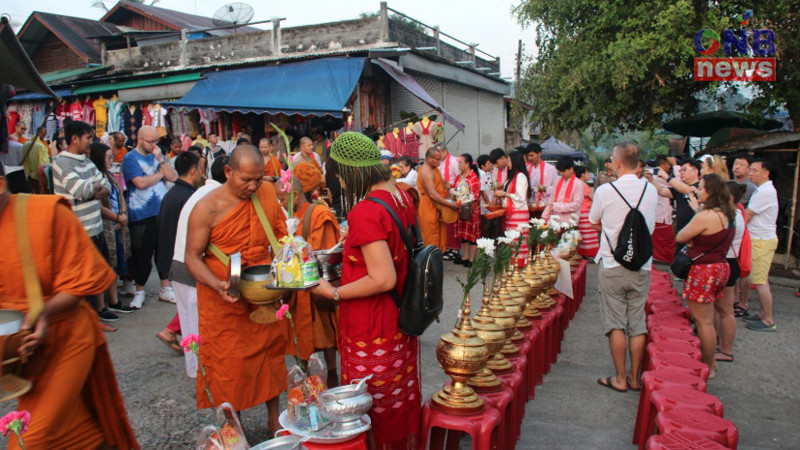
x=488, y=23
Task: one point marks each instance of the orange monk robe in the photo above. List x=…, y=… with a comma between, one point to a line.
x=272, y=167
x=119, y=154
x=433, y=230
x=315, y=327
x=75, y=401
x=244, y=361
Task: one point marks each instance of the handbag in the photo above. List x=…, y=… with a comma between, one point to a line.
x=682, y=263
x=465, y=211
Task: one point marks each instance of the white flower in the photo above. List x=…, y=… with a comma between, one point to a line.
x=523, y=227
x=513, y=234
x=505, y=240
x=572, y=223
x=487, y=245
x=544, y=234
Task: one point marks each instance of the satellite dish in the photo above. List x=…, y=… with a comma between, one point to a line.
x=233, y=14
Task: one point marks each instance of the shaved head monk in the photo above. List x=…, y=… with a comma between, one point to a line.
x=75, y=401
x=244, y=360
x=433, y=197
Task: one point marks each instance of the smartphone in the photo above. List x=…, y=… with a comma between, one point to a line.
x=655, y=171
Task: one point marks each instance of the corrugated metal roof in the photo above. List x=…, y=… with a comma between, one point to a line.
x=60, y=76
x=108, y=87
x=179, y=20
x=74, y=31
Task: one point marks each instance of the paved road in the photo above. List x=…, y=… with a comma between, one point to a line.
x=760, y=390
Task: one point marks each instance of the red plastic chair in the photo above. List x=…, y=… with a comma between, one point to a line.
x=513, y=380
x=671, y=347
x=672, y=308
x=666, y=318
x=686, y=362
x=660, y=379
x=674, y=336
x=682, y=441
x=668, y=399
x=483, y=428
x=699, y=422
x=534, y=360
x=357, y=443
x=503, y=401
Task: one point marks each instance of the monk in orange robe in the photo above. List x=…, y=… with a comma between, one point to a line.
x=432, y=197
x=315, y=324
x=244, y=361
x=75, y=401
x=272, y=164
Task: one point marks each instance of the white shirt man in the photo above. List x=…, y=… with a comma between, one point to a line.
x=410, y=178
x=762, y=210
x=623, y=292
x=448, y=166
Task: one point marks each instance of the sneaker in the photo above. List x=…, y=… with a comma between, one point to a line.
x=121, y=308
x=107, y=315
x=166, y=294
x=753, y=318
x=138, y=300
x=128, y=287
x=761, y=326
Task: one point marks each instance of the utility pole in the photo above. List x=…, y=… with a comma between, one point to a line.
x=519, y=68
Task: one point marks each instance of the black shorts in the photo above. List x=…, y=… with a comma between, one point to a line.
x=734, y=276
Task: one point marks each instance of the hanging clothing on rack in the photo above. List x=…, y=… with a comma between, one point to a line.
x=100, y=116
x=147, y=119
x=114, y=107
x=51, y=122
x=38, y=115
x=409, y=143
x=426, y=134
x=88, y=112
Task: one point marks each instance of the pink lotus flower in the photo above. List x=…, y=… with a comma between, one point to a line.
x=191, y=343
x=286, y=180
x=283, y=311
x=16, y=422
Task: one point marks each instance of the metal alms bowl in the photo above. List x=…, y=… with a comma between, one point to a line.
x=10, y=321
x=330, y=261
x=252, y=285
x=345, y=403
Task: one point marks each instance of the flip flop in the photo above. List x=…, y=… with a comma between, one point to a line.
x=171, y=343
x=740, y=311
x=630, y=385
x=725, y=355
x=607, y=383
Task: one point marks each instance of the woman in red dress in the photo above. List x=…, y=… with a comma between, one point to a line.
x=590, y=239
x=375, y=263
x=468, y=231
x=515, y=193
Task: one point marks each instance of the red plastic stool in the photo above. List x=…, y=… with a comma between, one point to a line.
x=513, y=380
x=357, y=443
x=503, y=401
x=659, y=379
x=674, y=336
x=540, y=349
x=520, y=362
x=682, y=441
x=483, y=428
x=672, y=308
x=556, y=334
x=658, y=299
x=686, y=362
x=699, y=422
x=670, y=347
x=674, y=326
x=532, y=334
x=668, y=399
x=549, y=341
x=666, y=318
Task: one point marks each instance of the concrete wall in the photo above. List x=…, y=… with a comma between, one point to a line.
x=330, y=36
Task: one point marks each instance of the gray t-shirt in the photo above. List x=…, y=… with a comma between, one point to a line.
x=748, y=192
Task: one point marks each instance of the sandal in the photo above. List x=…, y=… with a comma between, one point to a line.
x=171, y=343
x=726, y=357
x=740, y=311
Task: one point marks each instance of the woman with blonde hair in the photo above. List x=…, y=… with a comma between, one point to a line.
x=714, y=164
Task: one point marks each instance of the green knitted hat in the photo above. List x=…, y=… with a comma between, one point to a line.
x=355, y=150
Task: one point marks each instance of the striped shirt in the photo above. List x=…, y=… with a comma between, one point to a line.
x=74, y=177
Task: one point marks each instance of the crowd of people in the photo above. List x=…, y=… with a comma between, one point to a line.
x=695, y=207
x=188, y=210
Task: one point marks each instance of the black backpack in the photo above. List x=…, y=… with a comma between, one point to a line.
x=422, y=300
x=634, y=243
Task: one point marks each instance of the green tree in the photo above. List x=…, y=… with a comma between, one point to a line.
x=616, y=65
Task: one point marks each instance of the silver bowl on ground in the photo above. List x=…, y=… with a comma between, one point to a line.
x=330, y=262
x=287, y=442
x=345, y=405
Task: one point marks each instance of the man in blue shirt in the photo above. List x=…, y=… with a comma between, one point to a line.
x=145, y=170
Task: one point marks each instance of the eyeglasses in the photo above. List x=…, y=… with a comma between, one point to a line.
x=149, y=141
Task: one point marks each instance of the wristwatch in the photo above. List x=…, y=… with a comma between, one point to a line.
x=336, y=294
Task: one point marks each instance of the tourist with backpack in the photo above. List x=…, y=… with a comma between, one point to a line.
x=374, y=274
x=624, y=211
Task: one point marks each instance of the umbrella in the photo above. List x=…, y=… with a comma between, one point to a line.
x=706, y=124
x=553, y=148
x=18, y=70
x=724, y=135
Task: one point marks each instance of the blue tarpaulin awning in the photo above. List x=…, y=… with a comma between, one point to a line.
x=318, y=87
x=29, y=96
